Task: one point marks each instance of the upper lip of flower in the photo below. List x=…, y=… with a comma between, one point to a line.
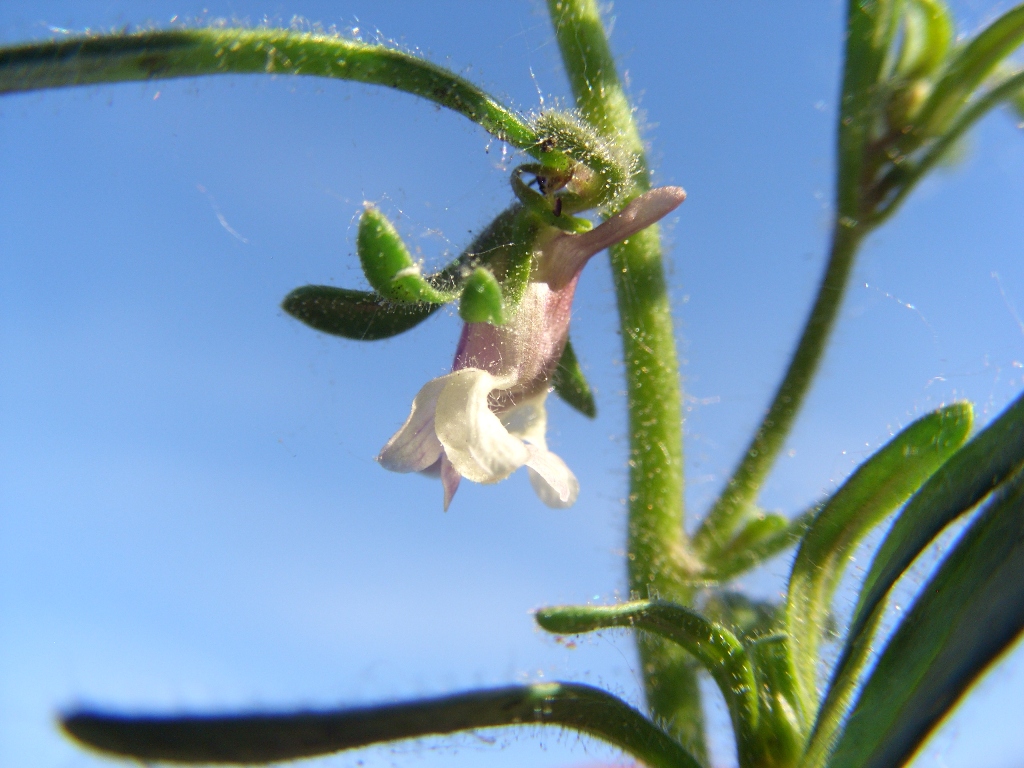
x=566, y=254
x=460, y=427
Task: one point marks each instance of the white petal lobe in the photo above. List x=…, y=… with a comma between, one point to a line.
x=552, y=481
x=528, y=420
x=415, y=446
x=474, y=439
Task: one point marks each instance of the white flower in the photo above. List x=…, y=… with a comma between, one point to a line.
x=486, y=419
x=453, y=431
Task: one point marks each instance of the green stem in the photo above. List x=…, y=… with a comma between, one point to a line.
x=870, y=30
x=271, y=738
x=742, y=489
x=163, y=54
x=659, y=557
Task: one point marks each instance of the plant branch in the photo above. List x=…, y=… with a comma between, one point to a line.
x=742, y=488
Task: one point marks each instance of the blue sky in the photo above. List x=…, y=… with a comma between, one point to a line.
x=190, y=514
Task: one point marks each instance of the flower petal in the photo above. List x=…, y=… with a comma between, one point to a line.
x=450, y=480
x=552, y=481
x=476, y=443
x=566, y=254
x=415, y=446
x=528, y=420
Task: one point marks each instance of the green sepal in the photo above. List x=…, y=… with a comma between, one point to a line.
x=505, y=248
x=542, y=205
x=571, y=385
x=481, y=299
x=387, y=264
x=878, y=487
x=969, y=613
x=353, y=314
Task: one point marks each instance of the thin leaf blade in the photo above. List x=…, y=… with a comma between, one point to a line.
x=267, y=738
x=993, y=455
x=878, y=487
x=969, y=475
x=353, y=314
x=968, y=614
x=969, y=69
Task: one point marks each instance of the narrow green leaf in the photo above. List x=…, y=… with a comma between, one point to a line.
x=387, y=264
x=928, y=32
x=269, y=738
x=968, y=614
x=481, y=299
x=161, y=54
x=840, y=695
x=713, y=645
x=965, y=479
x=571, y=385
x=969, y=69
x=761, y=539
x=970, y=474
x=353, y=314
x=904, y=177
x=879, y=486
x=779, y=726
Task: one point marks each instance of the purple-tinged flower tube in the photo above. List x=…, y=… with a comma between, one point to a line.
x=486, y=418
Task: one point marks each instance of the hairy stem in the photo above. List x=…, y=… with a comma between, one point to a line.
x=870, y=29
x=658, y=551
x=742, y=488
x=162, y=54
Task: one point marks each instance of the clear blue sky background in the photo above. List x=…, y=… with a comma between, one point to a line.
x=190, y=514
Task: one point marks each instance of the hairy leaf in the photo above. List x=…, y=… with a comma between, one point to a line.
x=160, y=54
x=353, y=314
x=879, y=486
x=968, y=613
x=268, y=738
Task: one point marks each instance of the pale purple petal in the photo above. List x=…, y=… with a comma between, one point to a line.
x=552, y=481
x=415, y=446
x=450, y=480
x=566, y=254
